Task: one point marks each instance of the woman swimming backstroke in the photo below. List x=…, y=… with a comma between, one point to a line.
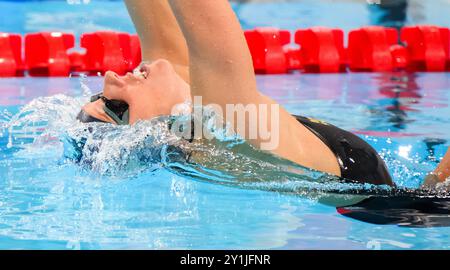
x=196, y=50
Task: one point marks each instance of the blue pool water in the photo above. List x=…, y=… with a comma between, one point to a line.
x=48, y=202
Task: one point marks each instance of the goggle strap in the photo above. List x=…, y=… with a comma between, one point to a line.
x=114, y=116
x=125, y=118
x=96, y=97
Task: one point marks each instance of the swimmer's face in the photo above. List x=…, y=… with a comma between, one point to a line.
x=153, y=90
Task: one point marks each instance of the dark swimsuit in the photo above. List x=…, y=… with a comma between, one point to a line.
x=357, y=159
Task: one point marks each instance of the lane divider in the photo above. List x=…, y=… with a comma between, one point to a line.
x=375, y=49
x=46, y=53
x=428, y=47
x=424, y=48
x=321, y=50
x=11, y=63
x=119, y=52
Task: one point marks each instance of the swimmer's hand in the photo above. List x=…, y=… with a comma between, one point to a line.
x=440, y=175
x=443, y=170
x=430, y=182
x=433, y=183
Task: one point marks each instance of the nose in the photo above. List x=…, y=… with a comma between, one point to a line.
x=149, y=66
x=111, y=74
x=160, y=63
x=113, y=78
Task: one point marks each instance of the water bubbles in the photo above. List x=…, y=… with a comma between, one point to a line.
x=444, y=186
x=6, y=115
x=86, y=90
x=10, y=144
x=404, y=150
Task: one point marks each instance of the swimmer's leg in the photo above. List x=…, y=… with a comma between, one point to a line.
x=159, y=34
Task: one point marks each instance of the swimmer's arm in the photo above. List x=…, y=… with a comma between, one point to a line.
x=159, y=33
x=221, y=72
x=220, y=63
x=221, y=68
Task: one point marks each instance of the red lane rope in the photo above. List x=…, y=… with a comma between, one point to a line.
x=314, y=50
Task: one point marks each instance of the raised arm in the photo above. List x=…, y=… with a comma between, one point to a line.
x=219, y=56
x=159, y=33
x=221, y=72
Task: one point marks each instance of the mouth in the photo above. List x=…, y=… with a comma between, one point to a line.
x=142, y=70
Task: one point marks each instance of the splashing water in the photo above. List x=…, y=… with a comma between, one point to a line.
x=126, y=151
x=118, y=151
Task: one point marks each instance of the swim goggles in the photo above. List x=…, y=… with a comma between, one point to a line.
x=116, y=109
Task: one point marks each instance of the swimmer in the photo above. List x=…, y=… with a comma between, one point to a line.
x=197, y=49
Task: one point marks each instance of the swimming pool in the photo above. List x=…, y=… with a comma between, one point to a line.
x=49, y=203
